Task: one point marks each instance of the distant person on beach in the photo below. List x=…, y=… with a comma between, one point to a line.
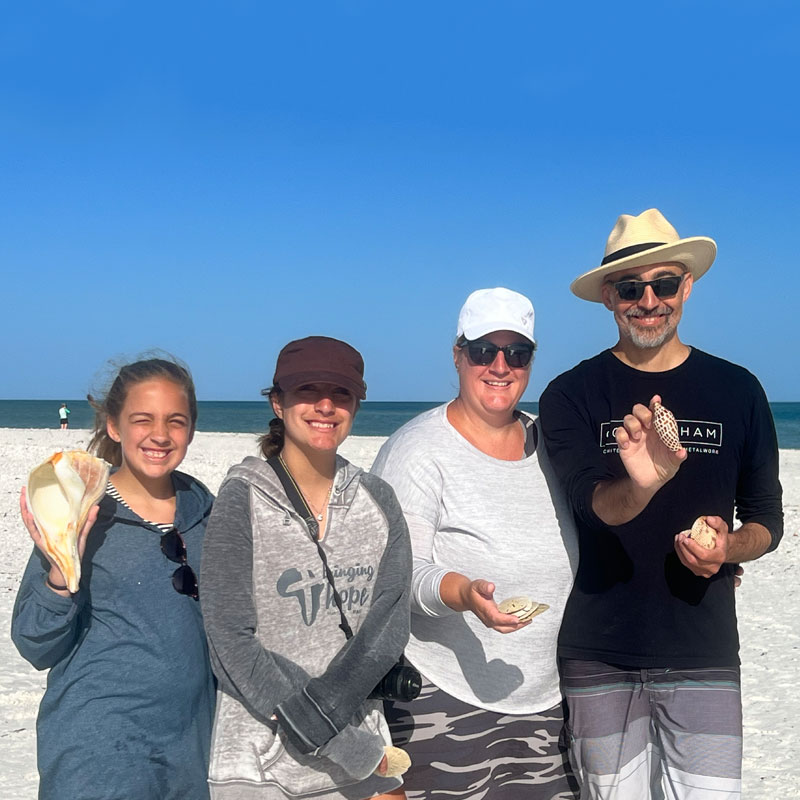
x=487, y=524
x=649, y=646
x=130, y=694
x=305, y=575
x=63, y=414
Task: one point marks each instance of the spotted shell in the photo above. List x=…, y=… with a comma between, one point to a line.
x=666, y=427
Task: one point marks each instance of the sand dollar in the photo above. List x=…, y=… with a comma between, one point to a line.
x=513, y=605
x=538, y=608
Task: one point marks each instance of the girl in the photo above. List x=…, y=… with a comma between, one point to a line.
x=293, y=717
x=130, y=696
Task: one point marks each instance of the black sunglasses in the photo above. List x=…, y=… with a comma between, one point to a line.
x=662, y=287
x=184, y=581
x=482, y=353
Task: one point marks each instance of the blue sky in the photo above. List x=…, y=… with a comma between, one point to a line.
x=218, y=178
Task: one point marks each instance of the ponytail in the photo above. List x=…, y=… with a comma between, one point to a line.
x=271, y=442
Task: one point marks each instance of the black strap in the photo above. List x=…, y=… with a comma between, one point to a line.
x=630, y=251
x=304, y=512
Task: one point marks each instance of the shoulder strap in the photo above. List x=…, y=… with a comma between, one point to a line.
x=295, y=495
x=301, y=507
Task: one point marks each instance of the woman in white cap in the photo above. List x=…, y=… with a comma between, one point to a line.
x=487, y=526
x=305, y=574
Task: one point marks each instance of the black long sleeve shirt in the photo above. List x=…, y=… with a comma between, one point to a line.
x=633, y=602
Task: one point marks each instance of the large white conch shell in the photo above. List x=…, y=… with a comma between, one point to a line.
x=60, y=493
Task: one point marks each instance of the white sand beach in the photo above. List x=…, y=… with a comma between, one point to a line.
x=768, y=609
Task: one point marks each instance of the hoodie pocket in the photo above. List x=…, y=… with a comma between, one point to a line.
x=299, y=773
x=244, y=749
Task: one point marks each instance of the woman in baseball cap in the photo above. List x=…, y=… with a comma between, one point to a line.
x=306, y=577
x=494, y=552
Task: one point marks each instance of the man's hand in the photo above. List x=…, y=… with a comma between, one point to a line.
x=647, y=460
x=698, y=559
x=649, y=464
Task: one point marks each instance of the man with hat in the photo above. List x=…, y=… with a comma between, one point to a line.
x=649, y=647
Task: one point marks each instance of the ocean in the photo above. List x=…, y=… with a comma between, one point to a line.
x=374, y=418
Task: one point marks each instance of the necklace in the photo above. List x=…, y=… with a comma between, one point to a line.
x=317, y=514
x=320, y=515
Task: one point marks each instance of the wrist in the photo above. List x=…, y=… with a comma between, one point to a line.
x=454, y=591
x=55, y=581
x=640, y=496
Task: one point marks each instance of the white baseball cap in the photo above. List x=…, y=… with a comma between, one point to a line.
x=499, y=309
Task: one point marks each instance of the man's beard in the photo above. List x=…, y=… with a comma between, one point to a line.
x=648, y=338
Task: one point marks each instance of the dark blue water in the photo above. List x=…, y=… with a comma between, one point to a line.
x=374, y=419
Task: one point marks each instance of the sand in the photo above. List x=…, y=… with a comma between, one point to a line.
x=768, y=609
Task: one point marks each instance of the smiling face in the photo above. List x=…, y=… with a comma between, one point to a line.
x=651, y=321
x=493, y=390
x=154, y=429
x=316, y=416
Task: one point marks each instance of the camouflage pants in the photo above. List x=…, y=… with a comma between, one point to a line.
x=460, y=752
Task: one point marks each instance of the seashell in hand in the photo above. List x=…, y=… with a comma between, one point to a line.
x=666, y=427
x=60, y=494
x=703, y=533
x=522, y=607
x=397, y=762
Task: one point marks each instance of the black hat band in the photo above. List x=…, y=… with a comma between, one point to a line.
x=629, y=251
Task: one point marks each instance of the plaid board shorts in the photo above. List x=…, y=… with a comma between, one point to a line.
x=460, y=752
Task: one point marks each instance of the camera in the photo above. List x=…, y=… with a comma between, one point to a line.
x=401, y=682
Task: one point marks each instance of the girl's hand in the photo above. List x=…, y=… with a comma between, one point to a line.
x=56, y=576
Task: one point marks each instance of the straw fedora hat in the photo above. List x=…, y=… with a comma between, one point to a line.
x=646, y=239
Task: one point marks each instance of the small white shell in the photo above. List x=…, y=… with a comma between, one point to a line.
x=666, y=427
x=397, y=762
x=703, y=533
x=60, y=494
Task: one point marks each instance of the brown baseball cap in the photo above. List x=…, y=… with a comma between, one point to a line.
x=320, y=359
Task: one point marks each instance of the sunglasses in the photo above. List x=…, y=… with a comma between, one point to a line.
x=184, y=581
x=482, y=353
x=662, y=287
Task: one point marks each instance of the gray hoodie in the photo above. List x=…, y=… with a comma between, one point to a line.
x=275, y=642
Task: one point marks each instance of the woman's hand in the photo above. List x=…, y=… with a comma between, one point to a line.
x=480, y=600
x=461, y=594
x=56, y=576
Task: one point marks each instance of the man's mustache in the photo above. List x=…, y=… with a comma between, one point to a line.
x=664, y=311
